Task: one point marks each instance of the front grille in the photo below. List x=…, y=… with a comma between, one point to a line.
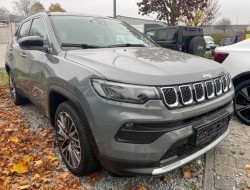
x=189, y=94
x=170, y=96
x=186, y=94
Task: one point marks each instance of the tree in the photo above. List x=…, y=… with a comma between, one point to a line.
x=23, y=7
x=56, y=8
x=37, y=7
x=195, y=12
x=4, y=11
x=223, y=24
x=200, y=15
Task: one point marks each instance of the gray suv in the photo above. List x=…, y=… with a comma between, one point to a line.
x=115, y=98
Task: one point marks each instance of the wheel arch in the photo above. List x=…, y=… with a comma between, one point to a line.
x=241, y=77
x=56, y=96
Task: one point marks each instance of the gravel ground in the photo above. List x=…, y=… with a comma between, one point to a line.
x=174, y=179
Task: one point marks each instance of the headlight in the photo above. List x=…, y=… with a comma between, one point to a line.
x=124, y=92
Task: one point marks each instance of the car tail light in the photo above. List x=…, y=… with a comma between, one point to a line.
x=180, y=47
x=220, y=57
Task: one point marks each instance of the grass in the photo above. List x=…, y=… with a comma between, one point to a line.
x=3, y=76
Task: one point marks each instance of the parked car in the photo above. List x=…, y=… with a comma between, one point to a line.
x=180, y=38
x=237, y=38
x=210, y=46
x=114, y=97
x=235, y=58
x=225, y=42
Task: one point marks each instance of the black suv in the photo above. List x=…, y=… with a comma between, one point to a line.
x=180, y=38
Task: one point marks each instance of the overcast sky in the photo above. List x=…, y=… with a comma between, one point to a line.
x=229, y=8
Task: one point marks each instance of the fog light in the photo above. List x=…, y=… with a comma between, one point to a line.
x=129, y=125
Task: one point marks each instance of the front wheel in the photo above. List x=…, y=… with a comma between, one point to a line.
x=242, y=102
x=73, y=140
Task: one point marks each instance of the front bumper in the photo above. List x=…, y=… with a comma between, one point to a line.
x=106, y=118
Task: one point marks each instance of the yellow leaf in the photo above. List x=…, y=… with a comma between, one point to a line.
x=36, y=176
x=14, y=139
x=52, y=157
x=20, y=167
x=247, y=166
x=6, y=181
x=64, y=175
x=26, y=158
x=24, y=187
x=38, y=162
x=26, y=130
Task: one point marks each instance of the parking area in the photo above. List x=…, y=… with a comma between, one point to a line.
x=3, y=48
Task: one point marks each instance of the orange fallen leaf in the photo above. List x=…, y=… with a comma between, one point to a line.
x=6, y=181
x=64, y=175
x=36, y=176
x=24, y=187
x=248, y=173
x=165, y=179
x=186, y=173
x=26, y=130
x=142, y=187
x=38, y=162
x=20, y=167
x=14, y=139
x=53, y=158
x=26, y=158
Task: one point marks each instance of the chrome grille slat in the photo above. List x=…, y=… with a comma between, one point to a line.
x=209, y=89
x=224, y=84
x=218, y=86
x=170, y=96
x=186, y=94
x=199, y=92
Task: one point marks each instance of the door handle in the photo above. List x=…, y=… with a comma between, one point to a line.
x=23, y=55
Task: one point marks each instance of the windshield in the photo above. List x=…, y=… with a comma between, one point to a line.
x=97, y=32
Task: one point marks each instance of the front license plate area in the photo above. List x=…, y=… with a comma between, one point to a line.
x=206, y=134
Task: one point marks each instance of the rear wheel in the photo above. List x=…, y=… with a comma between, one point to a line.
x=15, y=96
x=242, y=102
x=73, y=140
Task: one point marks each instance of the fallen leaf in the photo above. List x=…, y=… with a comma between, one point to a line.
x=26, y=158
x=142, y=187
x=24, y=187
x=6, y=181
x=186, y=173
x=26, y=130
x=247, y=166
x=38, y=162
x=248, y=173
x=20, y=167
x=131, y=187
x=53, y=158
x=248, y=186
x=36, y=176
x=165, y=179
x=64, y=175
x=14, y=139
x=242, y=153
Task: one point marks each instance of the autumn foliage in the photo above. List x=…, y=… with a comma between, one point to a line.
x=56, y=7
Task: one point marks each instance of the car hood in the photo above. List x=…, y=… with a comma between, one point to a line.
x=147, y=66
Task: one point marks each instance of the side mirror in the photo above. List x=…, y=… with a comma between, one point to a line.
x=32, y=43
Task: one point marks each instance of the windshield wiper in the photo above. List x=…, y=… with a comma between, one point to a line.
x=83, y=46
x=126, y=45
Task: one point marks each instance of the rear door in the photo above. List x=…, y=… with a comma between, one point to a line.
x=167, y=38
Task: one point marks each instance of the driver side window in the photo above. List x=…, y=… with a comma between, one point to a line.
x=38, y=29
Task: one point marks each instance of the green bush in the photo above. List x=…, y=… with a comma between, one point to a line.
x=208, y=55
x=218, y=37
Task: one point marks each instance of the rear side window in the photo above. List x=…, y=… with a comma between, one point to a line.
x=24, y=30
x=167, y=35
x=38, y=29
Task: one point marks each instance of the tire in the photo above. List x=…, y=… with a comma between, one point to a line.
x=197, y=46
x=242, y=102
x=73, y=140
x=15, y=96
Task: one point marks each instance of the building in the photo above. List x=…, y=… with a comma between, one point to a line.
x=141, y=24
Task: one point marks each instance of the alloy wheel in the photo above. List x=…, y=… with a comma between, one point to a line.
x=242, y=103
x=68, y=140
